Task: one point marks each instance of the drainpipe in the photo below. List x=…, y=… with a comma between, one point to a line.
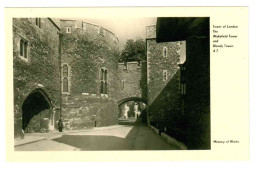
x=60, y=67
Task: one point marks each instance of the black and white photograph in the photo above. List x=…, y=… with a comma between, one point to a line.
x=128, y=83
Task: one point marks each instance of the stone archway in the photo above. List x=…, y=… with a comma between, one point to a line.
x=127, y=110
x=37, y=113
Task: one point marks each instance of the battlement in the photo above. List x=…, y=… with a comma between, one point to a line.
x=151, y=32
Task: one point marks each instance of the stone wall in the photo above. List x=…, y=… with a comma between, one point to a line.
x=86, y=50
x=129, y=74
x=187, y=117
x=157, y=64
x=40, y=70
x=184, y=116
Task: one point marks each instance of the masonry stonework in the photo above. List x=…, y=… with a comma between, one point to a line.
x=86, y=50
x=157, y=63
x=42, y=48
x=30, y=73
x=132, y=87
x=130, y=75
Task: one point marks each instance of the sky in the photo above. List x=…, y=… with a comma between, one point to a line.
x=124, y=28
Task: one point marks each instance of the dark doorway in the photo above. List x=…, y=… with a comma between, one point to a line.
x=37, y=104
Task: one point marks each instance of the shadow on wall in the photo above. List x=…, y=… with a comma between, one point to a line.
x=36, y=112
x=187, y=117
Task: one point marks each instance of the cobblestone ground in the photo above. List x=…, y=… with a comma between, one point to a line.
x=129, y=135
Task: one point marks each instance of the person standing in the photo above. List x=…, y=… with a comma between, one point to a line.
x=60, y=124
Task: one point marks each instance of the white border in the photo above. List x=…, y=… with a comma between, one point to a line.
x=253, y=78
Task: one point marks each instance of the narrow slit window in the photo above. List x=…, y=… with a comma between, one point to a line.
x=165, y=51
x=68, y=30
x=165, y=75
x=123, y=84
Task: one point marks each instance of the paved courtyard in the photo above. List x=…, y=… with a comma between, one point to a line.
x=129, y=135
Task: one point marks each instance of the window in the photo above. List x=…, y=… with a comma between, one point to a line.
x=183, y=79
x=65, y=70
x=38, y=22
x=24, y=49
x=165, y=75
x=68, y=30
x=65, y=78
x=165, y=51
x=103, y=81
x=65, y=85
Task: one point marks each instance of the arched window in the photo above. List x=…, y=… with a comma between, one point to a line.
x=65, y=85
x=165, y=51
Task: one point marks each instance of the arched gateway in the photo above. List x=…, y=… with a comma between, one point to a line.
x=37, y=113
x=131, y=107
